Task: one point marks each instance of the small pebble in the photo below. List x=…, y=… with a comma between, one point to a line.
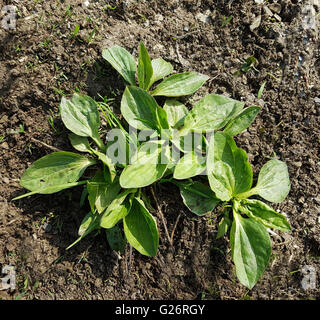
x=275, y=7
x=256, y=23
x=205, y=18
x=4, y=145
x=297, y=164
x=5, y=180
x=267, y=11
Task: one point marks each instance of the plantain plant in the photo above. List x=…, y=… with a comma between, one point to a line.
x=146, y=149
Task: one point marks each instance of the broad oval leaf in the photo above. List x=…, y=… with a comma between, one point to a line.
x=261, y=212
x=250, y=248
x=229, y=171
x=148, y=165
x=241, y=121
x=54, y=169
x=273, y=181
x=79, y=143
x=145, y=69
x=176, y=112
x=211, y=113
x=52, y=189
x=198, y=197
x=81, y=116
x=137, y=105
x=189, y=165
x=122, y=61
x=180, y=84
x=222, y=180
x=117, y=210
x=141, y=230
x=161, y=69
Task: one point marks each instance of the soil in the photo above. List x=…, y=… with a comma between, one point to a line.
x=43, y=59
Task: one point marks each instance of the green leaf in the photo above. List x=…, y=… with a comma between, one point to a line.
x=264, y=214
x=115, y=215
x=115, y=239
x=145, y=70
x=223, y=226
x=86, y=222
x=250, y=248
x=189, y=165
x=198, y=197
x=81, y=116
x=211, y=113
x=273, y=181
x=248, y=64
x=241, y=121
x=122, y=61
x=261, y=90
x=141, y=230
x=176, y=112
x=147, y=165
x=119, y=146
x=89, y=224
x=138, y=104
x=228, y=169
x=180, y=84
x=161, y=69
x=51, y=189
x=79, y=143
x=108, y=162
x=55, y=169
x=102, y=193
x=117, y=210
x=192, y=141
x=83, y=197
x=163, y=124
x=222, y=181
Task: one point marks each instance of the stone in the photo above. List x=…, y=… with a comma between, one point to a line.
x=256, y=23
x=5, y=145
x=204, y=17
x=275, y=7
x=5, y=180
x=267, y=11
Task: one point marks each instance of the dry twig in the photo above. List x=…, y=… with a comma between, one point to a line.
x=161, y=216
